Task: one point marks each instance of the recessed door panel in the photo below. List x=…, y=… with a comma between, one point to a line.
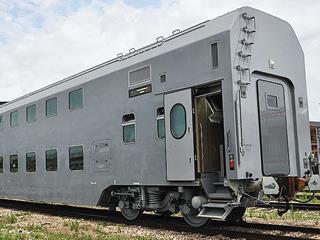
x=101, y=155
x=179, y=136
x=273, y=128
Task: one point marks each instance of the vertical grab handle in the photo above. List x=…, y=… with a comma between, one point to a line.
x=228, y=140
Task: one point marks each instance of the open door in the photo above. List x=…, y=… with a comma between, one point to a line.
x=179, y=136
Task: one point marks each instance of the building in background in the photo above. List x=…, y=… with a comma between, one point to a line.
x=315, y=135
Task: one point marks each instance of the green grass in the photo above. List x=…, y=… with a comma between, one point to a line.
x=71, y=230
x=11, y=218
x=291, y=215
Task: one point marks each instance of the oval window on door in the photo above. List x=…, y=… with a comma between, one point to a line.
x=178, y=123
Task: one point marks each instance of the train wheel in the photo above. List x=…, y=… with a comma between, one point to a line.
x=236, y=215
x=194, y=221
x=130, y=214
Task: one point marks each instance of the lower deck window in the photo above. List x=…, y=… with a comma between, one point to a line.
x=129, y=128
x=76, y=158
x=14, y=163
x=31, y=162
x=160, y=123
x=51, y=160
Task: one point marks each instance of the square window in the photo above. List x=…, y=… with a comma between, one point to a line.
x=51, y=107
x=14, y=119
x=163, y=78
x=75, y=99
x=14, y=163
x=31, y=113
x=51, y=160
x=31, y=162
x=272, y=102
x=76, y=158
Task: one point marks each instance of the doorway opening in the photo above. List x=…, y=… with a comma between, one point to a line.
x=209, y=130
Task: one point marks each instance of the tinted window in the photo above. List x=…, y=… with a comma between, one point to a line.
x=76, y=158
x=1, y=164
x=214, y=55
x=1, y=121
x=14, y=119
x=129, y=128
x=31, y=162
x=51, y=160
x=178, y=121
x=160, y=123
x=51, y=107
x=31, y=113
x=14, y=163
x=75, y=99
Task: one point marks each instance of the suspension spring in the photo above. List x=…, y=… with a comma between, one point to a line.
x=154, y=199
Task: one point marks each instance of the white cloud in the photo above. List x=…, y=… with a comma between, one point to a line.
x=44, y=41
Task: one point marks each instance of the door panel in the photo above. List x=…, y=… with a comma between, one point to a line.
x=179, y=136
x=273, y=128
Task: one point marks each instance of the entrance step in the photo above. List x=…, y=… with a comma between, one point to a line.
x=220, y=196
x=218, y=211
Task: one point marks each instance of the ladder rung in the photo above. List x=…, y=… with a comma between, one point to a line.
x=239, y=68
x=244, y=54
x=247, y=16
x=247, y=30
x=245, y=42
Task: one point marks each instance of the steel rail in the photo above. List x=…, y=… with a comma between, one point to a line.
x=239, y=230
x=296, y=206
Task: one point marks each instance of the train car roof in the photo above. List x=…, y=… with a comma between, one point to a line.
x=160, y=46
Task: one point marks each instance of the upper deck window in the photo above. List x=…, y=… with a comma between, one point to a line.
x=51, y=107
x=32, y=113
x=76, y=99
x=14, y=118
x=214, y=55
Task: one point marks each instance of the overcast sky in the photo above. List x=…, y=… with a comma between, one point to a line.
x=42, y=41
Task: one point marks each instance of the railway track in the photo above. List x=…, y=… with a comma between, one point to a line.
x=241, y=230
x=296, y=206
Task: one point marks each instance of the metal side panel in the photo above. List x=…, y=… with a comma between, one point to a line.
x=273, y=128
x=179, y=136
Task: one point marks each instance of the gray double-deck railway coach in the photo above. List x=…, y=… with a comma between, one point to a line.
x=202, y=122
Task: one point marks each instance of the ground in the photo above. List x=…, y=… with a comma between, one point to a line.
x=27, y=225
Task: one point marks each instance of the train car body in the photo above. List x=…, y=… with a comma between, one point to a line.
x=198, y=122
